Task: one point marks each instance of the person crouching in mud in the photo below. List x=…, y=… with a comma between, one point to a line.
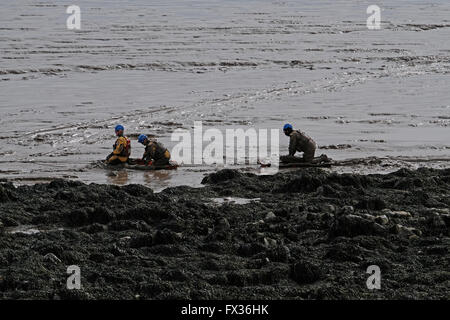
x=121, y=148
x=154, y=151
x=298, y=142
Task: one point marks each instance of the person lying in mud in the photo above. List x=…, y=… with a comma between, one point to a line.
x=154, y=151
x=121, y=148
x=299, y=141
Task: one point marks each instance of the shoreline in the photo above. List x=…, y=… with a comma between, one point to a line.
x=303, y=234
x=191, y=175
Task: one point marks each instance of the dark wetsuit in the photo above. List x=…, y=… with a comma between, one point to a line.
x=302, y=143
x=157, y=153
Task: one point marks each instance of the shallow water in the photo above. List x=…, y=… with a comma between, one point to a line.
x=29, y=230
x=155, y=66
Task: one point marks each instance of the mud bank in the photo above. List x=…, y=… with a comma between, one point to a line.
x=307, y=234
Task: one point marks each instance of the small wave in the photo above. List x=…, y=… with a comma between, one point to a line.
x=336, y=146
x=418, y=27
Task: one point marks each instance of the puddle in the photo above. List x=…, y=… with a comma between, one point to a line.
x=234, y=200
x=28, y=230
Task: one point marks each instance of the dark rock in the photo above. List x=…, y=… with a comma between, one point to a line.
x=137, y=190
x=59, y=184
x=304, y=272
x=146, y=213
x=166, y=237
x=102, y=215
x=9, y=222
x=101, y=257
x=141, y=241
x=345, y=252
x=94, y=228
x=352, y=225
x=77, y=217
x=4, y=194
x=250, y=249
x=371, y=204
x=238, y=278
x=220, y=231
x=176, y=275
x=133, y=244
x=279, y=254
x=122, y=225
x=270, y=216
x=221, y=176
x=303, y=183
x=50, y=257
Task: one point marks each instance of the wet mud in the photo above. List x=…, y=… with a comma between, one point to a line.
x=302, y=234
x=158, y=67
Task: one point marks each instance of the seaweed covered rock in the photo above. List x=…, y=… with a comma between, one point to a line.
x=353, y=225
x=221, y=176
x=304, y=272
x=307, y=234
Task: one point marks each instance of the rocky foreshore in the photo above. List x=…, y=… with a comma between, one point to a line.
x=303, y=234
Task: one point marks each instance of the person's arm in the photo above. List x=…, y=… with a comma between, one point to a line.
x=149, y=153
x=292, y=144
x=146, y=154
x=152, y=151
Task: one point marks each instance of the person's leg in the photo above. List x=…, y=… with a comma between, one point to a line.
x=161, y=162
x=123, y=159
x=308, y=155
x=164, y=161
x=323, y=158
x=290, y=159
x=114, y=160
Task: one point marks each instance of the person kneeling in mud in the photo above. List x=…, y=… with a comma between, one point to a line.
x=154, y=151
x=121, y=149
x=298, y=142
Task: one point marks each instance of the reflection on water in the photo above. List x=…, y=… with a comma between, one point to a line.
x=161, y=176
x=119, y=177
x=152, y=178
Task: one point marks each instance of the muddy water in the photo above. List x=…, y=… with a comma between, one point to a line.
x=155, y=66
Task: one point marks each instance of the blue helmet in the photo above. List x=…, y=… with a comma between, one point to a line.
x=287, y=126
x=119, y=127
x=142, y=138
